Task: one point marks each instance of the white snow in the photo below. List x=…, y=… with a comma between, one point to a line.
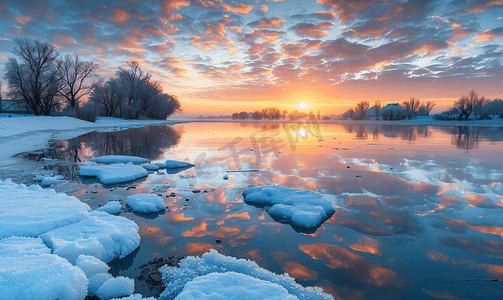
x=91, y=265
x=31, y=211
x=173, y=164
x=115, y=173
x=28, y=271
x=232, y=285
x=103, y=236
x=112, y=207
x=52, y=180
x=151, y=167
x=96, y=281
x=213, y=262
x=116, y=287
x=302, y=208
x=135, y=297
x=145, y=203
x=115, y=159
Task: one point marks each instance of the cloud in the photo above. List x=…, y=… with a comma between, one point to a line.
x=482, y=7
x=460, y=33
x=307, y=29
x=267, y=22
x=241, y=8
x=490, y=35
x=325, y=25
x=168, y=5
x=264, y=8
x=162, y=48
x=23, y=20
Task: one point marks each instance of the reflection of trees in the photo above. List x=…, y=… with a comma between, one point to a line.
x=375, y=133
x=466, y=138
x=423, y=130
x=149, y=142
x=361, y=133
x=409, y=133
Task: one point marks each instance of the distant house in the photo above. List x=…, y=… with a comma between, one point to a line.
x=12, y=106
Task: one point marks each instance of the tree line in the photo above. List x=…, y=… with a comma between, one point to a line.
x=47, y=83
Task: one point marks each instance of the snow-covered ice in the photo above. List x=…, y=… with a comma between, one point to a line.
x=151, y=167
x=145, y=203
x=135, y=297
x=213, y=262
x=31, y=211
x=96, y=281
x=52, y=180
x=91, y=265
x=103, y=236
x=232, y=285
x=114, y=173
x=115, y=159
x=160, y=164
x=116, y=287
x=28, y=271
x=301, y=208
x=112, y=207
x=173, y=164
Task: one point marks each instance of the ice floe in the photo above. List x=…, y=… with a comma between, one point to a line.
x=150, y=167
x=31, y=211
x=135, y=297
x=114, y=173
x=232, y=285
x=91, y=265
x=52, y=180
x=301, y=208
x=112, y=207
x=173, y=164
x=103, y=236
x=192, y=267
x=97, y=281
x=114, y=159
x=116, y=287
x=145, y=203
x=27, y=271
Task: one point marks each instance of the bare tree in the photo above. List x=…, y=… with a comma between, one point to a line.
x=411, y=107
x=465, y=104
x=478, y=105
x=362, y=108
x=36, y=79
x=79, y=79
x=271, y=113
x=377, y=108
x=428, y=107
x=109, y=96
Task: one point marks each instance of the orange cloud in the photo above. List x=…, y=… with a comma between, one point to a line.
x=460, y=33
x=489, y=35
x=241, y=8
x=23, y=19
x=120, y=15
x=325, y=25
x=299, y=271
x=309, y=29
x=394, y=12
x=480, y=8
x=205, y=4
x=271, y=22
x=264, y=8
x=168, y=5
x=63, y=39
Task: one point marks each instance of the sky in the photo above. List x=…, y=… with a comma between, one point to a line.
x=220, y=56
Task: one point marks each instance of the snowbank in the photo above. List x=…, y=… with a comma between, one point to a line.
x=173, y=164
x=112, y=207
x=145, y=203
x=213, y=262
x=31, y=211
x=301, y=208
x=27, y=271
x=232, y=285
x=91, y=265
x=103, y=236
x=115, y=159
x=115, y=173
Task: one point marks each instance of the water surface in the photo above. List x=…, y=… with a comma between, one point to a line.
x=418, y=208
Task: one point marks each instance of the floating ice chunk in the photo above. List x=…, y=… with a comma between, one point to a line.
x=226, y=176
x=21, y=246
x=31, y=211
x=145, y=203
x=192, y=267
x=116, y=287
x=38, y=178
x=114, y=159
x=232, y=285
x=112, y=207
x=115, y=173
x=150, y=167
x=49, y=159
x=135, y=297
x=103, y=236
x=160, y=164
x=91, y=265
x=172, y=164
x=32, y=273
x=52, y=180
x=96, y=281
x=302, y=208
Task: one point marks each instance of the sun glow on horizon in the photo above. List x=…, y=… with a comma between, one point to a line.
x=303, y=105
